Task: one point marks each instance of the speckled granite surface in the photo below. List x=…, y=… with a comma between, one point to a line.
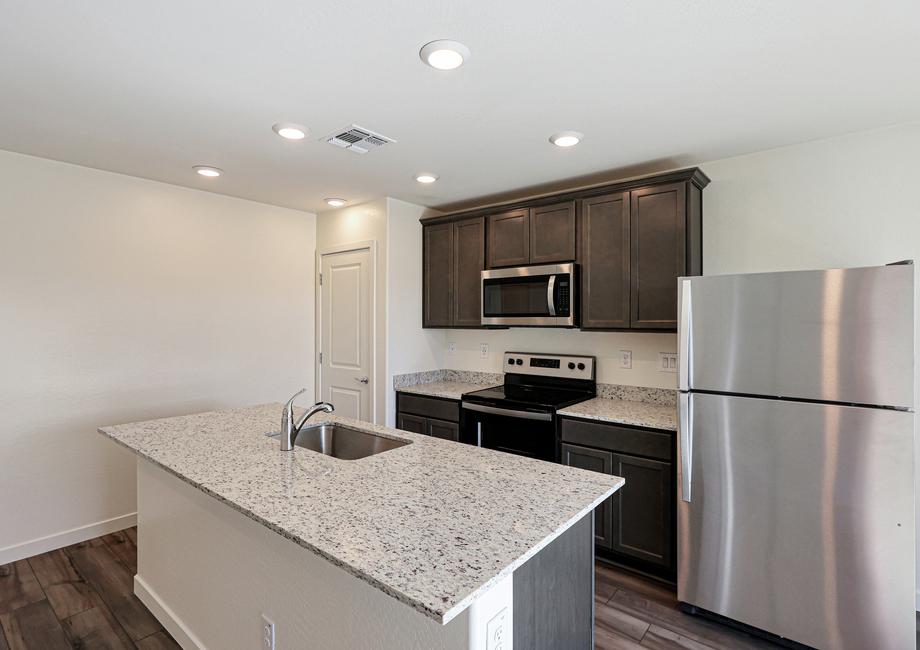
x=662, y=396
x=446, y=389
x=640, y=414
x=433, y=523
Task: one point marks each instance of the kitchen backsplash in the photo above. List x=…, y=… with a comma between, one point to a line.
x=661, y=396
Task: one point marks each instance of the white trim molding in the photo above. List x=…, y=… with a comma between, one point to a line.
x=167, y=618
x=64, y=538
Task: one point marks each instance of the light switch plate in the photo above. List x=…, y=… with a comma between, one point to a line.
x=626, y=359
x=451, y=347
x=483, y=350
x=496, y=632
x=667, y=362
x=268, y=633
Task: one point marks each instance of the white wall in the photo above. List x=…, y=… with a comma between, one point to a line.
x=840, y=202
x=361, y=223
x=409, y=347
x=125, y=299
x=604, y=345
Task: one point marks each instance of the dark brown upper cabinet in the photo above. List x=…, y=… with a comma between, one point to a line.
x=437, y=275
x=509, y=239
x=453, y=260
x=469, y=260
x=632, y=240
x=658, y=222
x=605, y=262
x=552, y=233
x=540, y=235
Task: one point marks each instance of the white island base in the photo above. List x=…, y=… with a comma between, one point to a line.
x=209, y=573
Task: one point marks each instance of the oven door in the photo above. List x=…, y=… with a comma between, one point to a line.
x=542, y=296
x=525, y=433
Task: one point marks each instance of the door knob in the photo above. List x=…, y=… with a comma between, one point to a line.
x=363, y=380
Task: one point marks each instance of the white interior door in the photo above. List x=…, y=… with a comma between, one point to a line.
x=346, y=333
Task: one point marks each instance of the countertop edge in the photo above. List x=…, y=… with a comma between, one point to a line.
x=442, y=617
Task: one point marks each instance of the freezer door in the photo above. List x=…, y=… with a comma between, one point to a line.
x=842, y=335
x=800, y=519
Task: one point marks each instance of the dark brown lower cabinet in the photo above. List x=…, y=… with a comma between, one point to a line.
x=430, y=416
x=636, y=526
x=444, y=430
x=641, y=512
x=413, y=423
x=595, y=460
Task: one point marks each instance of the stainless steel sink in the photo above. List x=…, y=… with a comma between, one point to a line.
x=344, y=442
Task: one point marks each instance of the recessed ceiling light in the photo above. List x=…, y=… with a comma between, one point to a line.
x=290, y=131
x=444, y=55
x=336, y=203
x=426, y=178
x=566, y=138
x=206, y=170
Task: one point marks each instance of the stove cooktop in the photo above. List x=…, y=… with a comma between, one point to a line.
x=530, y=397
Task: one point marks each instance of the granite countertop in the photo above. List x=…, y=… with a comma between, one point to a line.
x=434, y=523
x=446, y=389
x=639, y=414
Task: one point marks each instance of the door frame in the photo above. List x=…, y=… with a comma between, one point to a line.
x=369, y=245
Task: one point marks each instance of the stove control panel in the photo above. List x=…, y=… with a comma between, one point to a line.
x=550, y=365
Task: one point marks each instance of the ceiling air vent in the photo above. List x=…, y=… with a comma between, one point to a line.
x=358, y=139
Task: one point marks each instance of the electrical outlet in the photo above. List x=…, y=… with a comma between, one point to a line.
x=483, y=350
x=667, y=362
x=495, y=632
x=626, y=359
x=451, y=347
x=268, y=633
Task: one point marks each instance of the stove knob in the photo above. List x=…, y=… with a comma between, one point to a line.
x=520, y=362
x=510, y=362
x=571, y=365
x=581, y=366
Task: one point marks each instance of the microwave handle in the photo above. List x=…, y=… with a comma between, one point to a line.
x=551, y=295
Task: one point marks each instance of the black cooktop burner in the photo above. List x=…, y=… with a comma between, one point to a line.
x=530, y=397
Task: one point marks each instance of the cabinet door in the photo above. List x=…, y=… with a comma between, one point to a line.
x=605, y=253
x=442, y=429
x=552, y=233
x=598, y=461
x=659, y=254
x=412, y=423
x=469, y=260
x=437, y=275
x=509, y=239
x=642, y=514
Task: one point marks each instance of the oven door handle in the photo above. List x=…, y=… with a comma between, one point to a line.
x=494, y=410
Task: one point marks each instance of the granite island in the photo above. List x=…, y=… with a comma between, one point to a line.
x=434, y=544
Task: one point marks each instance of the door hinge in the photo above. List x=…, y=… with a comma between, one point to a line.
x=320, y=279
x=320, y=358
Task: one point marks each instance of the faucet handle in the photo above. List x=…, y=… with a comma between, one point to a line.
x=295, y=396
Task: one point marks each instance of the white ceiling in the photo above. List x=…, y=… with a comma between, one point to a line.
x=152, y=88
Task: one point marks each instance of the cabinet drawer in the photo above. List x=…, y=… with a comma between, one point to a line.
x=429, y=407
x=617, y=438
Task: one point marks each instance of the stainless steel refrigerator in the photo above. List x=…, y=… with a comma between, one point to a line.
x=796, y=445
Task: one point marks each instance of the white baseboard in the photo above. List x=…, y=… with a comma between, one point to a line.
x=167, y=618
x=65, y=538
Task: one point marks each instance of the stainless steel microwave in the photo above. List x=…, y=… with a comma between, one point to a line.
x=530, y=296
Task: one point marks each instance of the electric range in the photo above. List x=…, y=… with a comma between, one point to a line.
x=519, y=416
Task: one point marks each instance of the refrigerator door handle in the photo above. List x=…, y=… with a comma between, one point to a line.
x=686, y=445
x=684, y=340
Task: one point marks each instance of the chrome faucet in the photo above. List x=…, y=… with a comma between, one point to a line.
x=289, y=430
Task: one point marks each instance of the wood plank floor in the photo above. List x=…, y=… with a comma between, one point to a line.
x=82, y=596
